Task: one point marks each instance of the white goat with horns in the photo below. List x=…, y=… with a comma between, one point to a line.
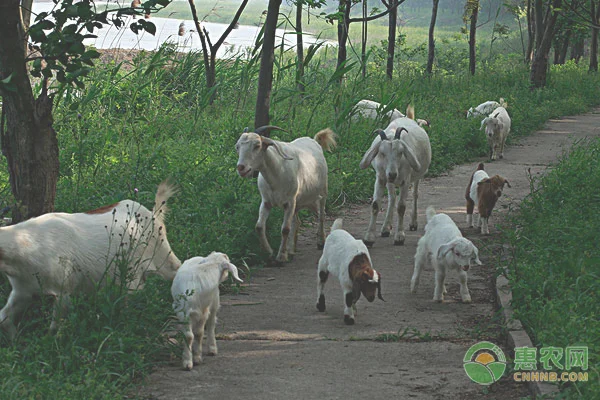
x=400, y=155
x=292, y=176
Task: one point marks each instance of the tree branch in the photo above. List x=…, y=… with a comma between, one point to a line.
x=230, y=27
x=374, y=17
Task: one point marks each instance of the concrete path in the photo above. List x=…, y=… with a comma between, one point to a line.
x=276, y=345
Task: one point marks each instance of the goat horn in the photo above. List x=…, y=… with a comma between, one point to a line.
x=246, y=130
x=381, y=134
x=261, y=129
x=399, y=132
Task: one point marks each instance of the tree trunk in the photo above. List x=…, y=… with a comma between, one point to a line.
x=431, y=52
x=393, y=17
x=562, y=51
x=595, y=15
x=265, y=75
x=472, y=40
x=544, y=34
x=29, y=142
x=530, y=33
x=577, y=50
x=343, y=27
x=299, y=48
x=363, y=52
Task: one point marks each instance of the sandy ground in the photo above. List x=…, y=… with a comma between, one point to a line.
x=274, y=344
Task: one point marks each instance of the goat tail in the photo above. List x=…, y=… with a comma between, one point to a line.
x=410, y=112
x=430, y=212
x=326, y=138
x=480, y=167
x=337, y=224
x=165, y=191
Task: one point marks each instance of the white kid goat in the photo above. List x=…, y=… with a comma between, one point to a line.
x=400, y=156
x=292, y=176
x=444, y=247
x=195, y=292
x=372, y=110
x=59, y=254
x=348, y=259
x=486, y=108
x=497, y=128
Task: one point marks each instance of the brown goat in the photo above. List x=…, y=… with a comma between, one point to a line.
x=486, y=191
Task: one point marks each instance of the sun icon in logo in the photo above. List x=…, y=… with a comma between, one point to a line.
x=484, y=363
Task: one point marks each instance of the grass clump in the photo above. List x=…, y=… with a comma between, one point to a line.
x=555, y=271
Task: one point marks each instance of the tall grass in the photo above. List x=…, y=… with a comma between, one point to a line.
x=555, y=271
x=136, y=123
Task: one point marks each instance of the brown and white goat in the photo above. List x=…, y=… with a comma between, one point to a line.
x=485, y=191
x=349, y=259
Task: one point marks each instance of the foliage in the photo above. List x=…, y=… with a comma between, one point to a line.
x=555, y=270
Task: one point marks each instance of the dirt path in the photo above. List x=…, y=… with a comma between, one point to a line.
x=275, y=345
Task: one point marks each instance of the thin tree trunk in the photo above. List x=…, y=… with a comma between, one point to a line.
x=544, y=35
x=530, y=33
x=431, y=52
x=393, y=17
x=363, y=53
x=472, y=39
x=265, y=75
x=565, y=46
x=29, y=142
x=209, y=51
x=299, y=48
x=343, y=27
x=595, y=15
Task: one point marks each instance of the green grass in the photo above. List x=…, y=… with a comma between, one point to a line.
x=555, y=272
x=131, y=128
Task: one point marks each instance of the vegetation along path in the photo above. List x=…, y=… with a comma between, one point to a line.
x=274, y=344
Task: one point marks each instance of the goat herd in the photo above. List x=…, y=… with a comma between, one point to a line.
x=60, y=254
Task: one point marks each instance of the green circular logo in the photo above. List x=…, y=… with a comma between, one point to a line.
x=484, y=363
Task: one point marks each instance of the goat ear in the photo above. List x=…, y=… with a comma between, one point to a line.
x=507, y=183
x=410, y=156
x=487, y=180
x=444, y=249
x=227, y=266
x=266, y=142
x=370, y=155
x=365, y=276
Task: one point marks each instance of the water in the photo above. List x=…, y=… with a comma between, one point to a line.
x=238, y=41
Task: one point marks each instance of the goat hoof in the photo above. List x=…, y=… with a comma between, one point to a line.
x=188, y=366
x=399, y=242
x=348, y=320
x=368, y=243
x=467, y=300
x=385, y=234
x=412, y=227
x=212, y=353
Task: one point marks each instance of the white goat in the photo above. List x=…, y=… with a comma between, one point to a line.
x=195, y=292
x=372, y=110
x=292, y=175
x=486, y=108
x=497, y=128
x=61, y=254
x=444, y=247
x=349, y=260
x=400, y=156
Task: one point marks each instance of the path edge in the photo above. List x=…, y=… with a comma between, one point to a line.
x=516, y=336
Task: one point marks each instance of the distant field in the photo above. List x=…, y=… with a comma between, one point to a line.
x=414, y=22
